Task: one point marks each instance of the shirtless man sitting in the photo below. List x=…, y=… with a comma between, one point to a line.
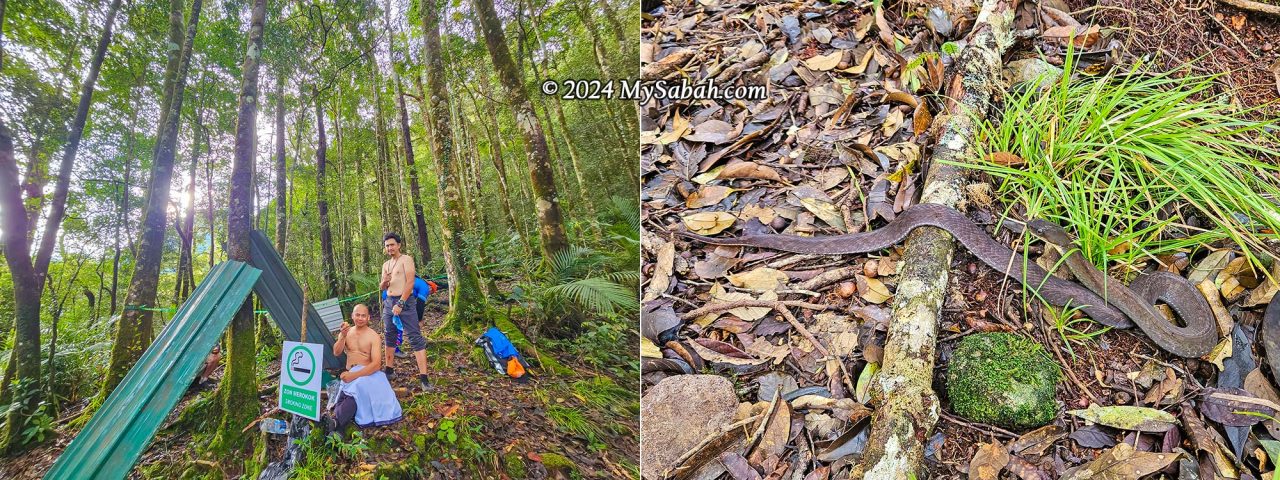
x=366, y=395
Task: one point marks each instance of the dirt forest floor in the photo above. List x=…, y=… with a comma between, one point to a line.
x=473, y=424
x=813, y=160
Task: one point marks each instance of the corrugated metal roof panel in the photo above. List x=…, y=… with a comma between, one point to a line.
x=122, y=427
x=330, y=312
x=282, y=296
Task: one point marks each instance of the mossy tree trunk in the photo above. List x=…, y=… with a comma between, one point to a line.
x=466, y=303
x=547, y=200
x=906, y=407
x=134, y=330
x=238, y=390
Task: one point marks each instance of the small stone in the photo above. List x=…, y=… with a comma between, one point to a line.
x=1122, y=398
x=1266, y=47
x=678, y=413
x=1003, y=379
x=846, y=289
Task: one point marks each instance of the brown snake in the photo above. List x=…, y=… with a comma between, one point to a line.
x=1123, y=307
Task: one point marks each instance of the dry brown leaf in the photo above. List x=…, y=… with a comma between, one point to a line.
x=822, y=63
x=902, y=97
x=893, y=122
x=679, y=126
x=707, y=196
x=763, y=278
x=861, y=66
x=767, y=350
x=777, y=432
x=873, y=290
x=1005, y=159
x=1257, y=384
x=765, y=214
x=1122, y=462
x=661, y=279
x=749, y=170
x=712, y=131
x=921, y=120
x=826, y=211
x=988, y=461
x=709, y=223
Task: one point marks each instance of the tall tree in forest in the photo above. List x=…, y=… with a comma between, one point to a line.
x=490, y=125
x=547, y=202
x=419, y=218
x=466, y=301
x=239, y=389
x=322, y=202
x=187, y=227
x=134, y=330
x=29, y=277
x=282, y=210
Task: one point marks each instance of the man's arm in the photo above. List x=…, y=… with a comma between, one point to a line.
x=341, y=344
x=408, y=278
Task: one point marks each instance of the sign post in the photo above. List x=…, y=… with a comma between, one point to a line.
x=300, y=373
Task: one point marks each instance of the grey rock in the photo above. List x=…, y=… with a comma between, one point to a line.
x=679, y=412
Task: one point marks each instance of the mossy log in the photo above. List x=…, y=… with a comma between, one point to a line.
x=906, y=405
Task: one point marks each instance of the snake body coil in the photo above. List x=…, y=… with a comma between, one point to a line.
x=1122, y=308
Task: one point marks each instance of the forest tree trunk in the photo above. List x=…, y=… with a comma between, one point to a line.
x=466, y=303
x=239, y=389
x=134, y=330
x=906, y=407
x=547, y=202
x=282, y=211
x=322, y=204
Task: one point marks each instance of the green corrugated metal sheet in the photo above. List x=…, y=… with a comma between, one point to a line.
x=282, y=296
x=123, y=426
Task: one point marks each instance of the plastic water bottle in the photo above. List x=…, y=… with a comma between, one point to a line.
x=274, y=425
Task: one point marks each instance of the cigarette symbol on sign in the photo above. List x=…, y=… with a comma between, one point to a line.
x=298, y=364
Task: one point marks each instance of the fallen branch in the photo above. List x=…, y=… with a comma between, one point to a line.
x=906, y=406
x=1253, y=6
x=726, y=306
x=260, y=418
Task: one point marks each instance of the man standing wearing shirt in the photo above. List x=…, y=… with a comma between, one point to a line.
x=397, y=281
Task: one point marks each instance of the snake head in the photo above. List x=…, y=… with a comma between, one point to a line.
x=1049, y=232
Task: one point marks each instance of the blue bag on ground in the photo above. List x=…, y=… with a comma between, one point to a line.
x=501, y=353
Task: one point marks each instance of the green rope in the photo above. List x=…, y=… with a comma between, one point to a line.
x=172, y=309
x=149, y=309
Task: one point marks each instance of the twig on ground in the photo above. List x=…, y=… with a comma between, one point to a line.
x=981, y=427
x=255, y=421
x=721, y=307
x=829, y=277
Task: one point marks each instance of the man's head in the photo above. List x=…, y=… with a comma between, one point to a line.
x=391, y=243
x=360, y=315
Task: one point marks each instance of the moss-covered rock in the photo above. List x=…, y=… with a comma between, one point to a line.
x=556, y=462
x=513, y=463
x=1002, y=379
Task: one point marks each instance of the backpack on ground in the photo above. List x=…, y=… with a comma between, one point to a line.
x=502, y=355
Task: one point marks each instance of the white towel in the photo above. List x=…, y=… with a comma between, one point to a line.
x=376, y=403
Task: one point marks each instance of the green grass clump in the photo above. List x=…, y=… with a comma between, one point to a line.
x=573, y=422
x=1105, y=155
x=1002, y=379
x=601, y=393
